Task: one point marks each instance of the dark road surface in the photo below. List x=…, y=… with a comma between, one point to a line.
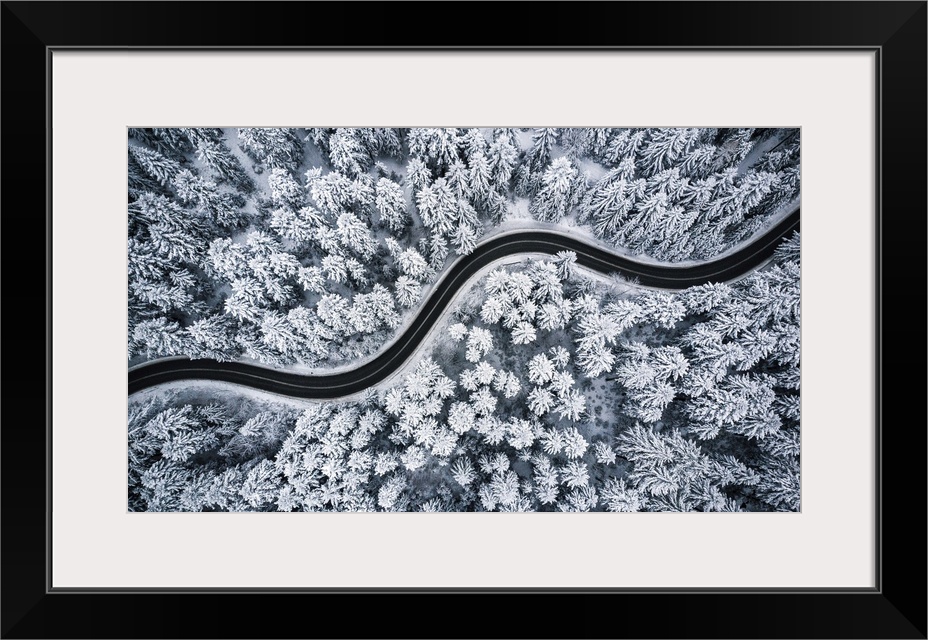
x=371, y=373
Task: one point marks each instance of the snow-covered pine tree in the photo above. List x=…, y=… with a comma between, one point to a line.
x=437, y=147
x=160, y=337
x=349, y=152
x=413, y=264
x=543, y=141
x=275, y=147
x=285, y=190
x=437, y=206
x=664, y=147
x=502, y=158
x=391, y=205
x=408, y=291
x=356, y=236
x=480, y=177
x=225, y=165
x=156, y=165
x=559, y=192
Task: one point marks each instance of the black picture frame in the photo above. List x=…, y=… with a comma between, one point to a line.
x=896, y=608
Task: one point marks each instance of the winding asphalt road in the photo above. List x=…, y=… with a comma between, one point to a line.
x=371, y=373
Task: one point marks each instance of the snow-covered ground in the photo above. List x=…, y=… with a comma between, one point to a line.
x=196, y=391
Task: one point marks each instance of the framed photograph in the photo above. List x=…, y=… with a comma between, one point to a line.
x=379, y=288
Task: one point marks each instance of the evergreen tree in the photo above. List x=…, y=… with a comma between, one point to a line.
x=523, y=333
x=465, y=239
x=214, y=337
x=159, y=337
x=543, y=141
x=502, y=158
x=624, y=147
x=664, y=147
x=437, y=206
x=227, y=167
x=463, y=472
x=348, y=152
x=437, y=147
x=261, y=485
x=285, y=191
x=408, y=291
x=558, y=193
x=480, y=176
x=154, y=164
x=355, y=235
x=619, y=497
x=275, y=147
x=413, y=264
x=391, y=205
x=473, y=142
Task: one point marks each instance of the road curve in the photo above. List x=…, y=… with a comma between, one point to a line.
x=346, y=383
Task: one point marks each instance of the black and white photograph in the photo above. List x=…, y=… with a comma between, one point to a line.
x=366, y=274
x=512, y=319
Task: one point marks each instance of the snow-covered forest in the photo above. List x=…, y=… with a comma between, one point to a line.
x=545, y=387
